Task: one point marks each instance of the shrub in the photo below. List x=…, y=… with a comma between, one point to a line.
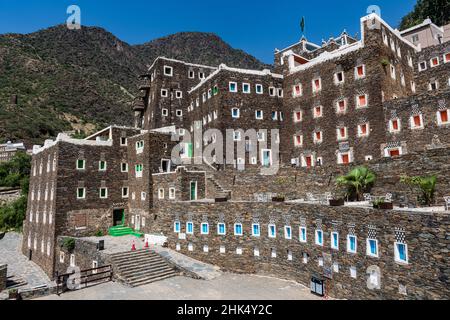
x=425, y=184
x=357, y=181
x=69, y=244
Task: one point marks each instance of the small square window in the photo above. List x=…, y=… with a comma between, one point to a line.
x=361, y=101
x=204, y=228
x=360, y=72
x=342, y=133
x=272, y=231
x=302, y=234
x=165, y=112
x=401, y=252
x=434, y=62
x=179, y=94
x=233, y=86
x=297, y=90
x=298, y=140
x=171, y=193
x=363, y=130
x=447, y=57
x=103, y=193
x=102, y=166
x=272, y=92
x=239, y=250
x=81, y=164
x=164, y=93
x=221, y=229
x=372, y=248
x=416, y=122
x=222, y=249
x=259, y=114
x=317, y=112
x=273, y=253
x=353, y=272
x=288, y=232
x=394, y=125
x=125, y=192
x=443, y=117
x=259, y=89
x=168, y=71
x=317, y=85
x=256, y=231
x=318, y=137
x=341, y=106
x=235, y=113
x=246, y=88
x=319, y=237
x=179, y=113
x=339, y=77
x=177, y=227
x=335, y=240
x=161, y=193
x=191, y=74
x=123, y=141
x=351, y=244
x=298, y=116
x=190, y=228
x=81, y=193
x=422, y=66
x=256, y=252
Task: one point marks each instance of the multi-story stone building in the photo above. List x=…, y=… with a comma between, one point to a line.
x=8, y=150
x=381, y=101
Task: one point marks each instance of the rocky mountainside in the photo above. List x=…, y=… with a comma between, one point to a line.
x=58, y=79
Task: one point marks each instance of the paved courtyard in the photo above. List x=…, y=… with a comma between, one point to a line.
x=18, y=264
x=225, y=287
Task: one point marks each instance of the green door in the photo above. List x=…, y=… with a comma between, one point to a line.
x=193, y=190
x=190, y=151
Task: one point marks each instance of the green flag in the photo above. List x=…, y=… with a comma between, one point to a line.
x=302, y=24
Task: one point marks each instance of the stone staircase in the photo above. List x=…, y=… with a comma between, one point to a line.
x=136, y=268
x=219, y=191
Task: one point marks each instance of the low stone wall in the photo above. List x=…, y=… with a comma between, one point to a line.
x=3, y=276
x=425, y=276
x=7, y=196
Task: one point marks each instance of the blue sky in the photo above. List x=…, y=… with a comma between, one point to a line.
x=258, y=27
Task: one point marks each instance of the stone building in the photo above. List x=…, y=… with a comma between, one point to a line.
x=380, y=101
x=8, y=150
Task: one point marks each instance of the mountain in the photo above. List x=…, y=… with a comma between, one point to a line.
x=437, y=10
x=58, y=79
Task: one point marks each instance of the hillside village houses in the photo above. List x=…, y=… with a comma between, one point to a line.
x=381, y=101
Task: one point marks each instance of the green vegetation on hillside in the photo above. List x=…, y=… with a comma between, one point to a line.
x=15, y=173
x=437, y=10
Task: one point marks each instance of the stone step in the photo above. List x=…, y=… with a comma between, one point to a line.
x=123, y=268
x=153, y=279
x=131, y=258
x=132, y=275
x=133, y=253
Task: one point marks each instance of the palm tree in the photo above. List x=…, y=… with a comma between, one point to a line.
x=357, y=181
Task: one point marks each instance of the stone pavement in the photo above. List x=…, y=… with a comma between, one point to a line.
x=18, y=264
x=227, y=286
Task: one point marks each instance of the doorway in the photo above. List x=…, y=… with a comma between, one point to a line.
x=266, y=157
x=165, y=165
x=137, y=223
x=118, y=217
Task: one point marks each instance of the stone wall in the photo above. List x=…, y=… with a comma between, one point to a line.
x=295, y=182
x=8, y=196
x=425, y=276
x=3, y=276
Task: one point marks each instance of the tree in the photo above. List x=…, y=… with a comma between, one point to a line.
x=426, y=185
x=437, y=10
x=357, y=181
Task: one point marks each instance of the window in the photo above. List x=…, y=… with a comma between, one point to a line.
x=341, y=106
x=191, y=74
x=237, y=136
x=353, y=272
x=260, y=136
x=94, y=266
x=201, y=75
x=81, y=164
x=298, y=140
x=308, y=161
x=143, y=197
x=61, y=255
x=318, y=137
x=72, y=260
x=272, y=92
x=319, y=237
x=317, y=112
x=351, y=244
x=256, y=252
x=125, y=192
x=342, y=133
x=205, y=228
x=235, y=113
x=297, y=90
x=259, y=114
x=161, y=193
x=138, y=169
x=416, y=121
x=434, y=62
x=302, y=234
x=165, y=112
x=413, y=86
x=177, y=227
x=372, y=248
x=394, y=125
x=316, y=85
x=280, y=93
x=190, y=247
x=239, y=250
x=164, y=93
x=363, y=130
x=139, y=146
x=422, y=66
x=238, y=229
x=259, y=89
x=360, y=72
x=168, y=71
x=361, y=101
x=447, y=57
x=171, y=193
x=339, y=77
x=320, y=262
x=335, y=240
x=81, y=193
x=289, y=255
x=221, y=229
x=287, y=232
x=272, y=231
x=179, y=113
x=256, y=232
x=442, y=117
x=124, y=167
x=401, y=252
x=179, y=94
x=305, y=257
x=102, y=166
x=433, y=85
x=273, y=253
x=393, y=73
x=222, y=249
x=344, y=158
x=246, y=88
x=298, y=116
x=103, y=193
x=190, y=228
x=393, y=152
x=274, y=115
